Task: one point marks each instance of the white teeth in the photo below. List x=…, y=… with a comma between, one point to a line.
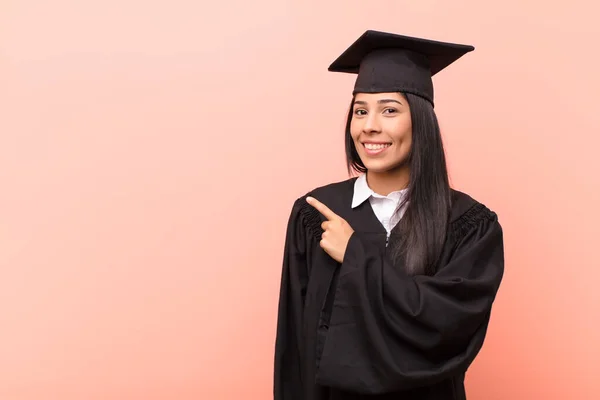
x=371, y=146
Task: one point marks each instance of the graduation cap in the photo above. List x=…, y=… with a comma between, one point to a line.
x=387, y=62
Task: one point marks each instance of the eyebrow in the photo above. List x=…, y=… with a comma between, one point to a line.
x=382, y=101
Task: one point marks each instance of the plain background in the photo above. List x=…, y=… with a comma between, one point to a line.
x=150, y=153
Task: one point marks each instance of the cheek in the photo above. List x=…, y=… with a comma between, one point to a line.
x=355, y=130
x=401, y=131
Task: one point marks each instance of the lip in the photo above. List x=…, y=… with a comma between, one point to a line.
x=375, y=152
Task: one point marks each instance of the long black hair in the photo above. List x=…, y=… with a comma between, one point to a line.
x=419, y=237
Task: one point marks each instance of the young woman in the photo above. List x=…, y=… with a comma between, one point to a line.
x=389, y=277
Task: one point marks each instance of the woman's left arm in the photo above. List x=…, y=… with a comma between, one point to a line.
x=389, y=331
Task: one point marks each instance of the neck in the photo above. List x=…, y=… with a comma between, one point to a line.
x=384, y=183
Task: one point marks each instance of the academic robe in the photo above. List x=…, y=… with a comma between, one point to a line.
x=365, y=329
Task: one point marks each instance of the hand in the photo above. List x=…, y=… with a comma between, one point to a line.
x=337, y=231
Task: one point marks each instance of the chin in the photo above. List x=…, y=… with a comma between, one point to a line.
x=382, y=166
x=378, y=167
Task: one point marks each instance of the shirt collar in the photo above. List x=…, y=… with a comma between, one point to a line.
x=363, y=192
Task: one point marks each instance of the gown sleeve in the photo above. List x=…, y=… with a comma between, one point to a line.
x=390, y=331
x=294, y=277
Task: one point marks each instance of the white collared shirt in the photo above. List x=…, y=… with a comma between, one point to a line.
x=384, y=207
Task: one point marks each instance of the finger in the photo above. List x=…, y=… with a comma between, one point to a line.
x=322, y=208
x=323, y=244
x=325, y=225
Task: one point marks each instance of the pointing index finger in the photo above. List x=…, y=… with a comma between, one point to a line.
x=322, y=208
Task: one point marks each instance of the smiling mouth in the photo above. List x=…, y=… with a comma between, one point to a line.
x=376, y=146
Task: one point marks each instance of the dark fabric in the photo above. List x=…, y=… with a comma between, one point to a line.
x=364, y=329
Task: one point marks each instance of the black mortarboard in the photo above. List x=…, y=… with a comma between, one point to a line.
x=386, y=62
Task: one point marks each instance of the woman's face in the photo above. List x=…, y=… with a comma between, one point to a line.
x=381, y=129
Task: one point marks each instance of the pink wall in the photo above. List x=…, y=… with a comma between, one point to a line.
x=150, y=154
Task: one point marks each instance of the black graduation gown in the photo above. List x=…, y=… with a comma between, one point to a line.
x=364, y=329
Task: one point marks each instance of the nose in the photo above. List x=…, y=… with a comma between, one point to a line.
x=371, y=124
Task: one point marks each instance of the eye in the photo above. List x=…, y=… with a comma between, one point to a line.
x=360, y=111
x=390, y=110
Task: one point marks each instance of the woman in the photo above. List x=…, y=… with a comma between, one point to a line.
x=388, y=278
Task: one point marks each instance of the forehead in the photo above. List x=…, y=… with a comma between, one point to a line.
x=375, y=97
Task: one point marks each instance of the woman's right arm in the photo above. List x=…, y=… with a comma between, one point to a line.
x=287, y=383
